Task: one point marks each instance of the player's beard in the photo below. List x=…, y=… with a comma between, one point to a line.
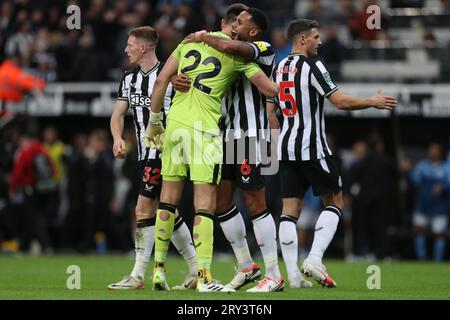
x=313, y=52
x=242, y=37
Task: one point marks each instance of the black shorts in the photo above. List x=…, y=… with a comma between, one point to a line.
x=296, y=177
x=151, y=179
x=242, y=167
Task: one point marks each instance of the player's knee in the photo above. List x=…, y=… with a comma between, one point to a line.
x=144, y=215
x=223, y=204
x=335, y=200
x=292, y=207
x=146, y=207
x=170, y=196
x=206, y=204
x=255, y=201
x=144, y=212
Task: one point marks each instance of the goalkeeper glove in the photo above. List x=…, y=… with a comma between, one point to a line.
x=154, y=135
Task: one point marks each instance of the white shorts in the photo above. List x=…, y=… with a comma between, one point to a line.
x=438, y=223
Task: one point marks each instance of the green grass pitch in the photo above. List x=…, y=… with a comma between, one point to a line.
x=25, y=277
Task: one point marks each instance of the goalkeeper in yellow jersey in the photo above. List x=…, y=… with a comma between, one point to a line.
x=192, y=144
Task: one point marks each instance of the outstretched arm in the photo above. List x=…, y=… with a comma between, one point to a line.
x=344, y=102
x=321, y=80
x=234, y=47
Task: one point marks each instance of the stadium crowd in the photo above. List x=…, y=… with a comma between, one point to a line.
x=89, y=205
x=36, y=35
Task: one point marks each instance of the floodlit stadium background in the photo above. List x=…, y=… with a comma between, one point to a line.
x=408, y=57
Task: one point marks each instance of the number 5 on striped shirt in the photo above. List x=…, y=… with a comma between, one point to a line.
x=290, y=109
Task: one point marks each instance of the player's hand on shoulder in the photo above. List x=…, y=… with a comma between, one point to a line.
x=181, y=82
x=195, y=37
x=384, y=102
x=119, y=150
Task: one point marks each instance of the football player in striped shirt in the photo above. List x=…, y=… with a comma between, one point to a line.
x=304, y=155
x=135, y=92
x=246, y=124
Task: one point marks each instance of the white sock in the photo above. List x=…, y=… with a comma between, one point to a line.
x=144, y=241
x=326, y=226
x=182, y=240
x=287, y=235
x=265, y=233
x=233, y=227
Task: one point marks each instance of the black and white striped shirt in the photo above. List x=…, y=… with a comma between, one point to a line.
x=136, y=88
x=243, y=107
x=304, y=83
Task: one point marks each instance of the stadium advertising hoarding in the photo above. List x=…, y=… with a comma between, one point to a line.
x=98, y=99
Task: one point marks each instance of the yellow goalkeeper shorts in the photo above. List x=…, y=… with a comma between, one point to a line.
x=191, y=153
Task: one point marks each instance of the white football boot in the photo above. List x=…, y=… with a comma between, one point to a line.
x=189, y=284
x=127, y=283
x=242, y=277
x=268, y=285
x=214, y=286
x=318, y=272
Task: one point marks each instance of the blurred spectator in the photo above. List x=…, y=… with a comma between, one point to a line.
x=20, y=44
x=6, y=17
x=211, y=16
x=10, y=210
x=89, y=64
x=318, y=12
x=187, y=20
x=372, y=183
x=32, y=176
x=100, y=191
x=56, y=151
x=55, y=148
x=43, y=60
x=37, y=19
x=78, y=171
x=55, y=19
x=431, y=178
x=359, y=234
